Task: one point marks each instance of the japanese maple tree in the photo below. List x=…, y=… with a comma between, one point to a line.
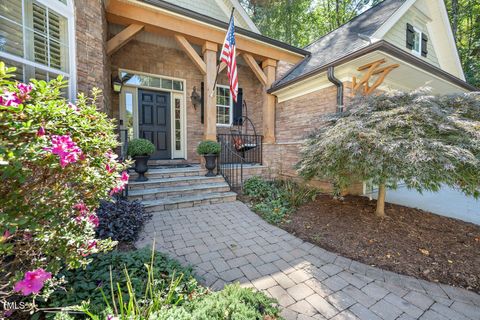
x=415, y=138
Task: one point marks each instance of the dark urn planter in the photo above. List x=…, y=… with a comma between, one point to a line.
x=141, y=166
x=210, y=164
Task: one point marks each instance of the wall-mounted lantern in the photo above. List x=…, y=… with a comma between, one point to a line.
x=117, y=84
x=196, y=98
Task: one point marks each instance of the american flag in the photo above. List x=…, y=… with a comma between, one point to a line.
x=229, y=57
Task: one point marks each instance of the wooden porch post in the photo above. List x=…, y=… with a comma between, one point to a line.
x=269, y=68
x=209, y=51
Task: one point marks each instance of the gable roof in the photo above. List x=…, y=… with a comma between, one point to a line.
x=219, y=10
x=348, y=38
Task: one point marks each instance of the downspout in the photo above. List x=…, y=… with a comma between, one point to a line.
x=339, y=85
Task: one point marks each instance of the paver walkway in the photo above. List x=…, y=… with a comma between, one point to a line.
x=229, y=243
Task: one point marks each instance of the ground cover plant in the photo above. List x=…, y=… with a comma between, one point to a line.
x=274, y=200
x=120, y=219
x=144, y=285
x=418, y=139
x=56, y=164
x=410, y=241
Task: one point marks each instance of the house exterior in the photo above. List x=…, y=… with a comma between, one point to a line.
x=150, y=56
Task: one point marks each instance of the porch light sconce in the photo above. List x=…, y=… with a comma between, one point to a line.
x=117, y=84
x=196, y=98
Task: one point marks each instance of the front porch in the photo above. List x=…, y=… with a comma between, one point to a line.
x=160, y=58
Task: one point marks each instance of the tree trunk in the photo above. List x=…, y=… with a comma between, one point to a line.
x=380, y=212
x=454, y=18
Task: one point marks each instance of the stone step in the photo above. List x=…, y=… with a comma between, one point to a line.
x=171, y=162
x=170, y=173
x=194, y=200
x=178, y=191
x=173, y=182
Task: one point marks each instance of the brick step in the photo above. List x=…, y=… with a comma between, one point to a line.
x=178, y=191
x=170, y=173
x=173, y=182
x=188, y=201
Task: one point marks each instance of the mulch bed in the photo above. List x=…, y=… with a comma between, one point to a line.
x=409, y=241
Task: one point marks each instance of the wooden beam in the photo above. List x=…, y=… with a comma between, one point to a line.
x=368, y=65
x=268, y=108
x=209, y=95
x=255, y=68
x=191, y=53
x=121, y=38
x=162, y=21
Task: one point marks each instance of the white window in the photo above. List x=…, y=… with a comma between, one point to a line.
x=417, y=41
x=224, y=106
x=36, y=37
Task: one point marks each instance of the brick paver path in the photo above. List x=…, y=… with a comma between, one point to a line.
x=229, y=243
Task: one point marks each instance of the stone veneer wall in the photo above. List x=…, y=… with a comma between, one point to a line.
x=93, y=67
x=155, y=59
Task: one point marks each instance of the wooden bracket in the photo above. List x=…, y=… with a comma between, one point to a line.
x=372, y=69
x=191, y=53
x=250, y=60
x=122, y=38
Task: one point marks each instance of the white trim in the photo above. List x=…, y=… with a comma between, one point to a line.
x=394, y=18
x=231, y=106
x=67, y=12
x=419, y=32
x=245, y=15
x=182, y=154
x=434, y=34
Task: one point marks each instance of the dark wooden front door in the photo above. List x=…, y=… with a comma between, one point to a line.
x=154, y=121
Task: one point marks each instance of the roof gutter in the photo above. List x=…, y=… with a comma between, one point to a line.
x=386, y=47
x=339, y=84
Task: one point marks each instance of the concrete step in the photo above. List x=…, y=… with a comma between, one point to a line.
x=173, y=182
x=170, y=173
x=188, y=201
x=178, y=191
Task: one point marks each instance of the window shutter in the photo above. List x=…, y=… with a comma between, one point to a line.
x=410, y=35
x=40, y=45
x=424, y=45
x=237, y=108
x=202, y=102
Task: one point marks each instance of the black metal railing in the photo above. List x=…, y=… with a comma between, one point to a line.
x=230, y=166
x=247, y=147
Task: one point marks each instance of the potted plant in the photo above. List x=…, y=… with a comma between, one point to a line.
x=140, y=150
x=210, y=150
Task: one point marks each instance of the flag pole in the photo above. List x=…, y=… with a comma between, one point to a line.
x=218, y=66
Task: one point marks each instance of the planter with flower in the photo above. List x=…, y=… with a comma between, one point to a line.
x=141, y=150
x=210, y=151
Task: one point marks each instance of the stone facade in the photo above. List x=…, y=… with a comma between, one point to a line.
x=92, y=61
x=173, y=62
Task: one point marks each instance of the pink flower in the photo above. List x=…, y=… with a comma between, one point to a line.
x=93, y=219
x=111, y=317
x=109, y=169
x=32, y=282
x=122, y=181
x=81, y=207
x=91, y=244
x=6, y=235
x=73, y=106
x=41, y=131
x=66, y=149
x=111, y=156
x=10, y=99
x=24, y=90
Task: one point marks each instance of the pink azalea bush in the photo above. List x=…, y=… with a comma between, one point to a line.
x=57, y=162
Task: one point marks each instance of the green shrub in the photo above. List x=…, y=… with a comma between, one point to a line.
x=233, y=302
x=56, y=164
x=88, y=283
x=140, y=147
x=273, y=210
x=208, y=147
x=274, y=200
x=258, y=188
